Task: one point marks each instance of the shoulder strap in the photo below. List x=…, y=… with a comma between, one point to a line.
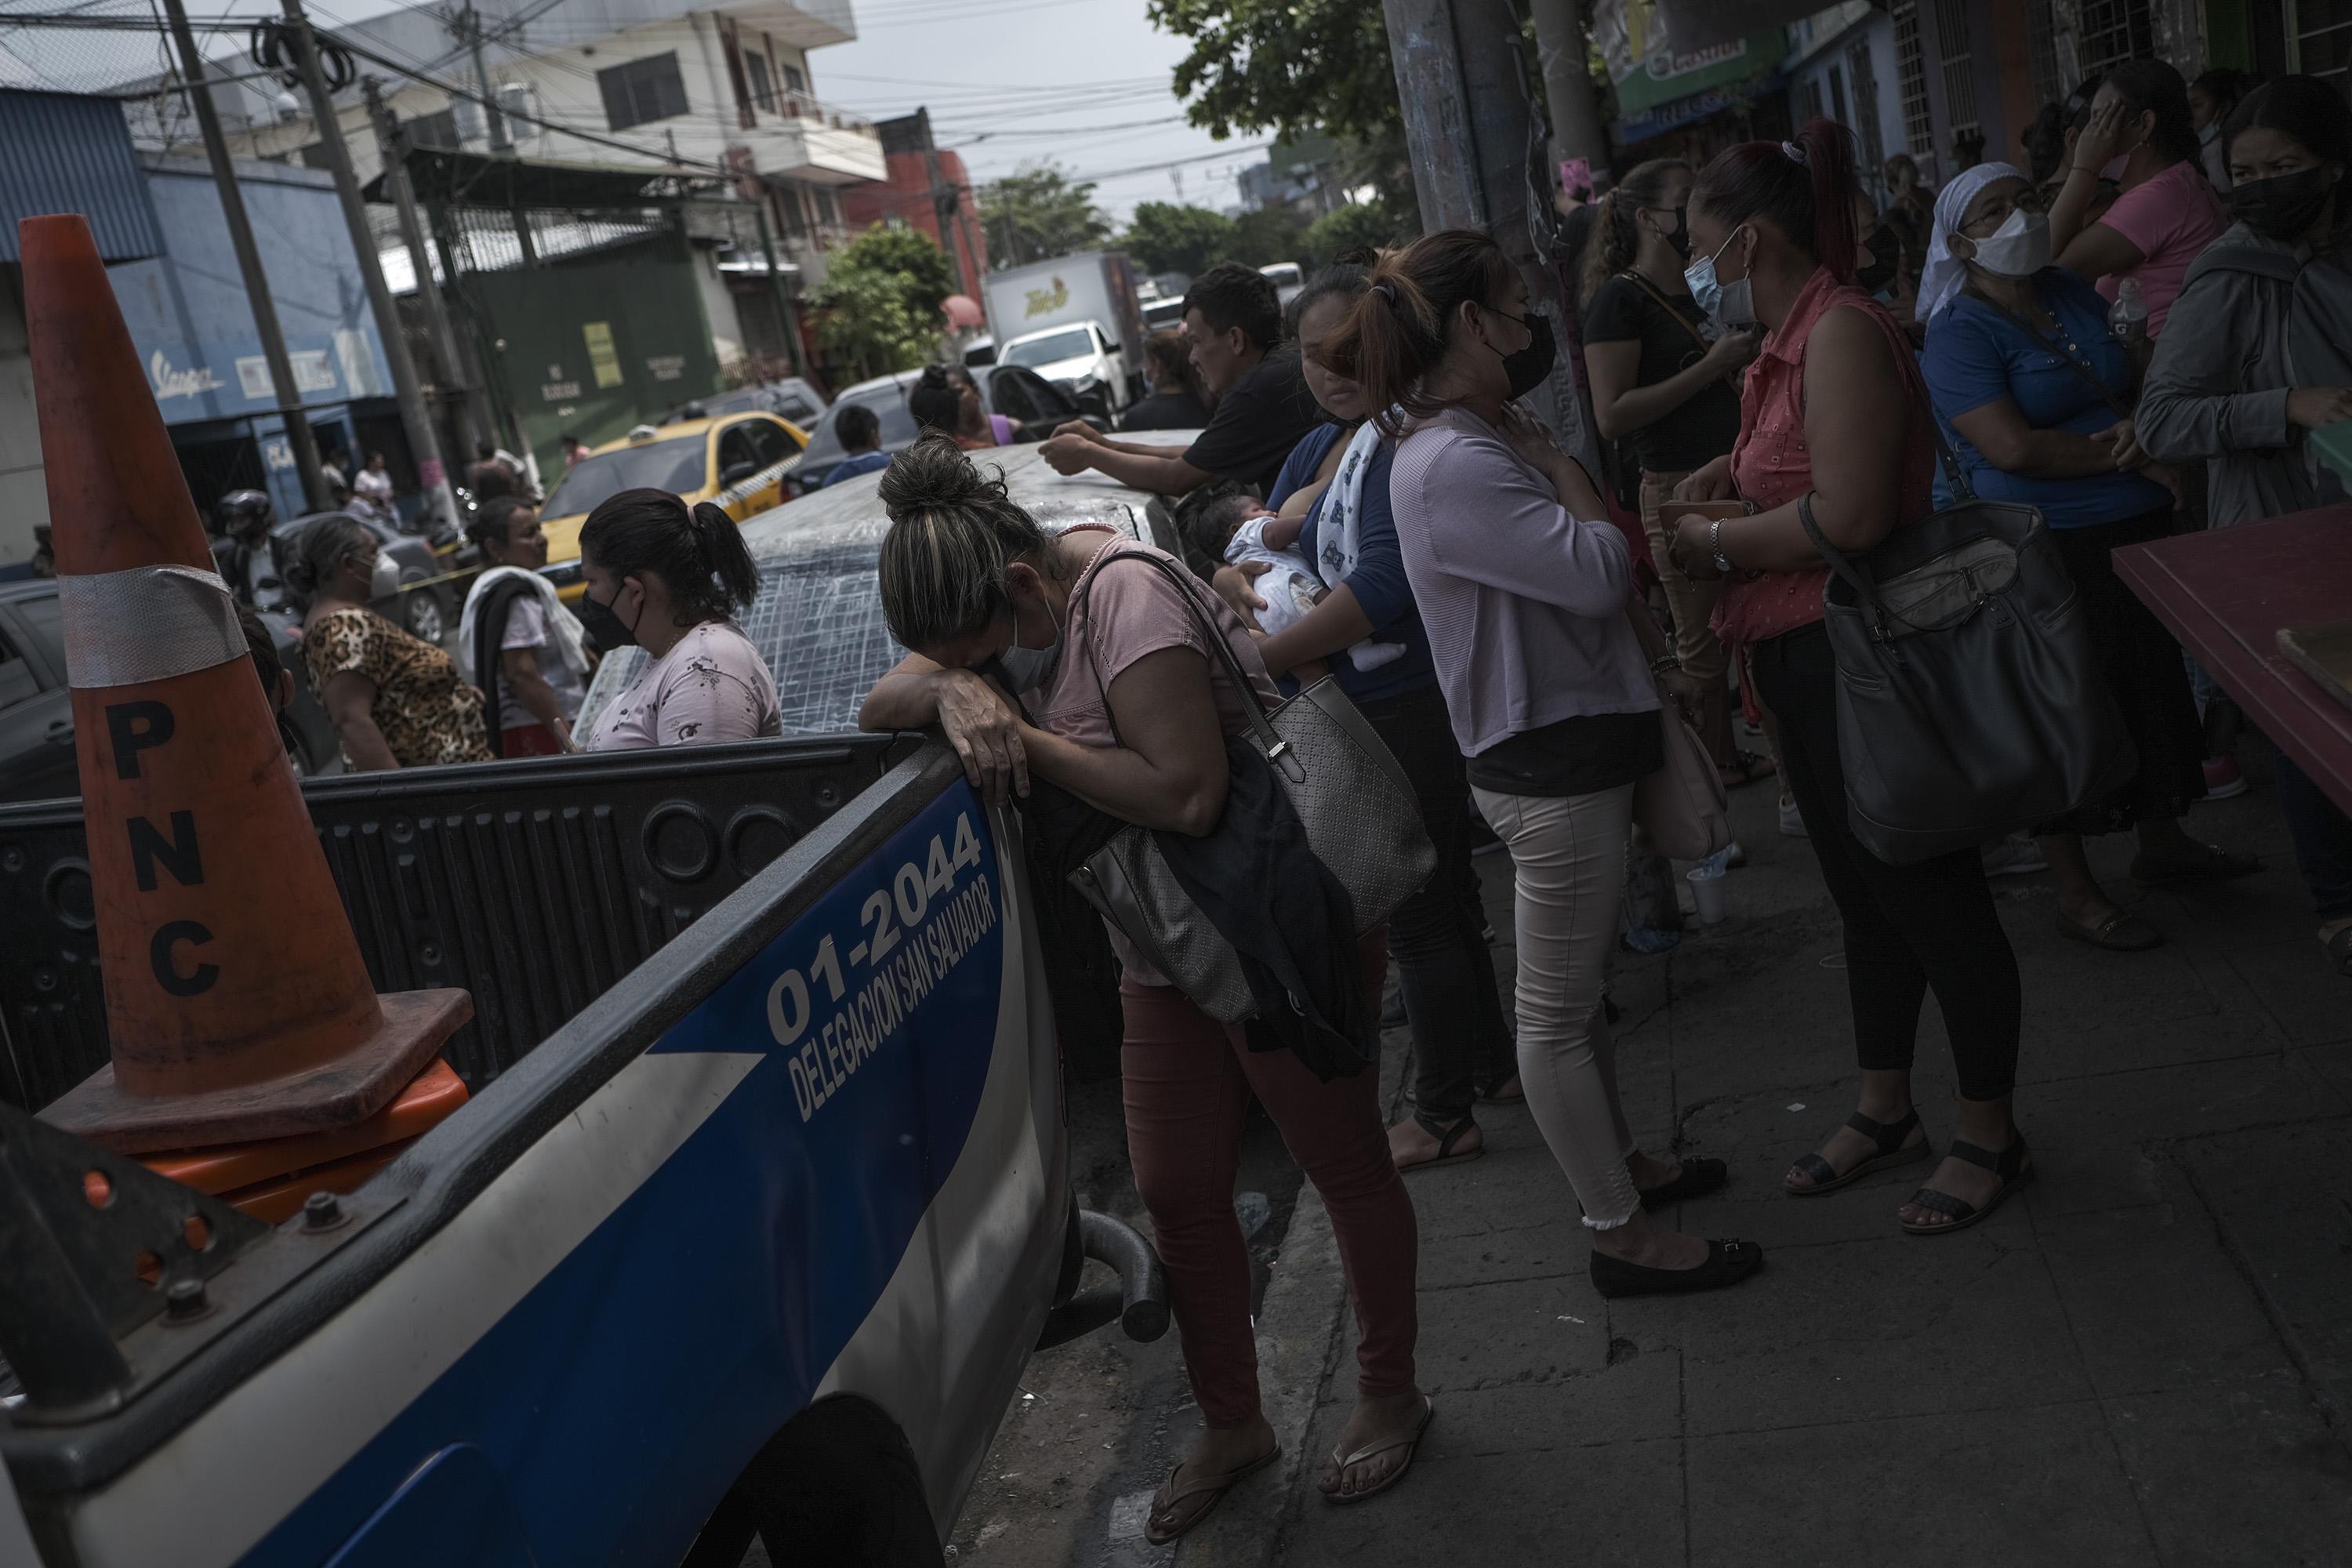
x=1253, y=705
x=2097, y=382
x=1652, y=290
x=1906, y=366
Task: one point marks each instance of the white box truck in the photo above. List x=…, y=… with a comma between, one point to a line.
x=1074, y=319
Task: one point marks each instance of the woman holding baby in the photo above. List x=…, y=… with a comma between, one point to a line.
x=1330, y=516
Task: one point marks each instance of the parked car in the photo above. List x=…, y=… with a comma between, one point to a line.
x=1014, y=391
x=1287, y=279
x=1082, y=357
x=430, y=594
x=740, y=461
x=982, y=350
x=790, y=398
x=37, y=727
x=1163, y=313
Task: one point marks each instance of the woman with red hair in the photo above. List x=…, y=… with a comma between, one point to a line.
x=1773, y=233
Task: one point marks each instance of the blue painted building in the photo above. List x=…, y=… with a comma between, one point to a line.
x=188, y=313
x=159, y=225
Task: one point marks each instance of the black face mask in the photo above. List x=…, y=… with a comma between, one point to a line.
x=604, y=628
x=1882, y=254
x=2285, y=206
x=1680, y=239
x=1530, y=366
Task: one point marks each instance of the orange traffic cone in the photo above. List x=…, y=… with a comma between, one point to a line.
x=237, y=1002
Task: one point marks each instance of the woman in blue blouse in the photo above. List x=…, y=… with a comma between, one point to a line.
x=1336, y=479
x=2036, y=398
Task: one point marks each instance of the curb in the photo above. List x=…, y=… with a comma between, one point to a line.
x=1301, y=1317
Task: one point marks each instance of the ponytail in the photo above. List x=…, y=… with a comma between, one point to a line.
x=697, y=551
x=1804, y=188
x=1616, y=232
x=1401, y=326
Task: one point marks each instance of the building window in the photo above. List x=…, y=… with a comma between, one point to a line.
x=1809, y=99
x=1911, y=79
x=436, y=129
x=1865, y=107
x=763, y=86
x=2323, y=40
x=825, y=210
x=2042, y=50
x=1959, y=66
x=794, y=81
x=643, y=91
x=2109, y=32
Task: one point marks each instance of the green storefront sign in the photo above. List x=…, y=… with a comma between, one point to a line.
x=1659, y=75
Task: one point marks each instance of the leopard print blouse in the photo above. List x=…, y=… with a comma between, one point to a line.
x=426, y=711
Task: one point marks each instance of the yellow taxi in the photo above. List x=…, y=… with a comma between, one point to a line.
x=739, y=460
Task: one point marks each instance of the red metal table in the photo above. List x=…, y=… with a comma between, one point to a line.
x=2226, y=592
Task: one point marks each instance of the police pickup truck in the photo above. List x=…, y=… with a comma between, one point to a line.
x=749, y=1233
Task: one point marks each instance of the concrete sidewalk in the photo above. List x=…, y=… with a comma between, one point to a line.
x=2146, y=1359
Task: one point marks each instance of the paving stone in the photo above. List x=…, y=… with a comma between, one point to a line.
x=1611, y=1506
x=1522, y=1330
x=2155, y=1303
x=2278, y=973
x=2127, y=1108
x=2243, y=1473
x=2023, y=1485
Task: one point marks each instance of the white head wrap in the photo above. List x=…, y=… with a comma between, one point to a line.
x=1945, y=272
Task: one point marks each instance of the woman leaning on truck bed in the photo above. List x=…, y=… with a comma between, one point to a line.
x=1109, y=691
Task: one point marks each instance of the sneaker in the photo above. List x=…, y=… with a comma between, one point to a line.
x=2015, y=855
x=2222, y=779
x=1792, y=821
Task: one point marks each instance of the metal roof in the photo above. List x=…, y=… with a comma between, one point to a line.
x=66, y=154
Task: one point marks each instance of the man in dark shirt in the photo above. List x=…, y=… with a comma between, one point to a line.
x=1235, y=321
x=1168, y=372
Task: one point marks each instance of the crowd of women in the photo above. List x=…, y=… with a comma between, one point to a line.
x=1467, y=588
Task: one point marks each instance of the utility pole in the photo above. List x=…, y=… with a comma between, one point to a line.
x=1467, y=124
x=414, y=417
x=468, y=26
x=249, y=262
x=787, y=322
x=947, y=204
x=392, y=144
x=1568, y=86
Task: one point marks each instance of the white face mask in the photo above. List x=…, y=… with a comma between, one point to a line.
x=383, y=577
x=2019, y=247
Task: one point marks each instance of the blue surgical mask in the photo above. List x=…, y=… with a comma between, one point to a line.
x=1730, y=306
x=1027, y=668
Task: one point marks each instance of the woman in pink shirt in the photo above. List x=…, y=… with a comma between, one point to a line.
x=2168, y=212
x=1833, y=409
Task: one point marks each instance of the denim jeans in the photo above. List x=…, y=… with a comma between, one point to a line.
x=1460, y=1041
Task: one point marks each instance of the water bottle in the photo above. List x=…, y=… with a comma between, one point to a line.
x=2127, y=317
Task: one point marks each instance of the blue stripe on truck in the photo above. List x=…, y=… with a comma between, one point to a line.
x=624, y=1391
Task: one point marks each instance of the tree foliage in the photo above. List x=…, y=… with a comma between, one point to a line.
x=1267, y=236
x=1166, y=237
x=1037, y=212
x=879, y=308
x=1376, y=224
x=1285, y=66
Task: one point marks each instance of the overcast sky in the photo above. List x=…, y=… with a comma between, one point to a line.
x=1085, y=82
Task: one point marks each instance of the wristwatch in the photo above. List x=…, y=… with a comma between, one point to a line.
x=1715, y=548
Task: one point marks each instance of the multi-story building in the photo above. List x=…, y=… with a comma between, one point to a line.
x=929, y=189
x=648, y=83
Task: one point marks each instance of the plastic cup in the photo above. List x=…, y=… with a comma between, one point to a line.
x=1706, y=892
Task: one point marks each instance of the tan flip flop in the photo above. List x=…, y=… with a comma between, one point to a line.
x=1410, y=1443
x=1159, y=1529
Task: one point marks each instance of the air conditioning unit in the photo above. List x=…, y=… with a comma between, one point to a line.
x=519, y=99
x=473, y=127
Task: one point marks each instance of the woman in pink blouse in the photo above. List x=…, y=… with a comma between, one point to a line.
x=2168, y=212
x=1771, y=227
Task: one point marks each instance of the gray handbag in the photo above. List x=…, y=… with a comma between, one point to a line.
x=1361, y=819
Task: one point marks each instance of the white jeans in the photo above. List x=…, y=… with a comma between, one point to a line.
x=1569, y=856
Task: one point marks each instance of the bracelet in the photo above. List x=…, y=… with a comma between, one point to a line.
x=1665, y=664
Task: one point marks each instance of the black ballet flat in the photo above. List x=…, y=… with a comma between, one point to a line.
x=1727, y=1263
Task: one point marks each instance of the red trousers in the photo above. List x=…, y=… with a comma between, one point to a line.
x=1188, y=1083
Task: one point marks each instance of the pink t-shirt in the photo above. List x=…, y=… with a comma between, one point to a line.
x=1117, y=617
x=2169, y=220
x=713, y=685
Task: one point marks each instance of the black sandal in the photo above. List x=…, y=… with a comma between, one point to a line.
x=1698, y=1177
x=1448, y=1137
x=1744, y=768
x=2012, y=1165
x=1727, y=1263
x=1823, y=1177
